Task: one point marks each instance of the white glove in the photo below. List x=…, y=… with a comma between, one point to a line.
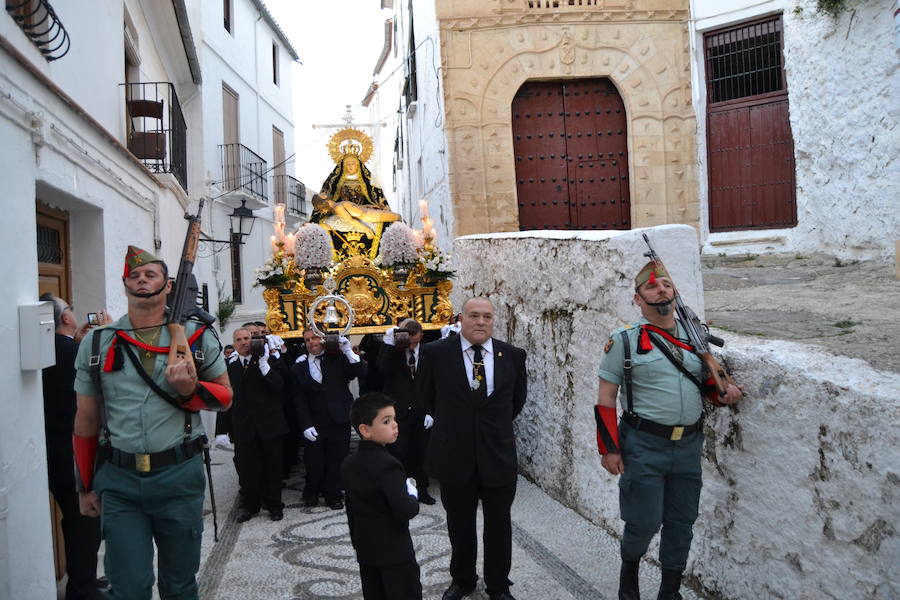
x=347, y=348
x=264, y=367
x=446, y=330
x=389, y=336
x=311, y=434
x=222, y=441
x=411, y=487
x=429, y=421
x=275, y=344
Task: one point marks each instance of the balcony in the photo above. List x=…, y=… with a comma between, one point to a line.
x=244, y=175
x=157, y=134
x=40, y=23
x=292, y=193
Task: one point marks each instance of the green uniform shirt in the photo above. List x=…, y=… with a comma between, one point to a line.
x=661, y=392
x=139, y=421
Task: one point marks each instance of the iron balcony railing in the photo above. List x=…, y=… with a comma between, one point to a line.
x=42, y=26
x=290, y=192
x=157, y=133
x=244, y=169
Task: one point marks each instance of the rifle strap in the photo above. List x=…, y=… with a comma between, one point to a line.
x=188, y=426
x=677, y=363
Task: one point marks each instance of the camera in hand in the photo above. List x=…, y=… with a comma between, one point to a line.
x=257, y=346
x=93, y=319
x=401, y=339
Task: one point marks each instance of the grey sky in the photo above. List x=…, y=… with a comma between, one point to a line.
x=338, y=42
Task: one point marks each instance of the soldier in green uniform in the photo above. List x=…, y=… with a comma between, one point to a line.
x=656, y=446
x=138, y=424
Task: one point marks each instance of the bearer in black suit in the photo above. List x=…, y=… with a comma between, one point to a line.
x=258, y=426
x=81, y=534
x=322, y=399
x=474, y=386
x=380, y=503
x=398, y=364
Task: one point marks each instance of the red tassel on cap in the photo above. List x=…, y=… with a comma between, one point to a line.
x=652, y=279
x=110, y=356
x=644, y=343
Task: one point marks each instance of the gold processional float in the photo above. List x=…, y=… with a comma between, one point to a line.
x=355, y=267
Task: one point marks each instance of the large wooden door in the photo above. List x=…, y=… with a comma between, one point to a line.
x=53, y=277
x=571, y=151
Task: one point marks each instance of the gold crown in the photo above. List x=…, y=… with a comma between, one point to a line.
x=350, y=141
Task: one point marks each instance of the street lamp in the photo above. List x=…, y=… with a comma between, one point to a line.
x=242, y=222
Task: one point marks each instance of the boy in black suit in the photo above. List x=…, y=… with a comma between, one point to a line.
x=380, y=503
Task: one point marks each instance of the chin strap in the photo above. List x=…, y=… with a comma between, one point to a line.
x=209, y=396
x=85, y=450
x=607, y=429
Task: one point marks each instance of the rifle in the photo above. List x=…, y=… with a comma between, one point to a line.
x=698, y=333
x=183, y=299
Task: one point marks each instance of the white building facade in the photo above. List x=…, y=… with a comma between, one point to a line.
x=408, y=96
x=836, y=81
x=110, y=135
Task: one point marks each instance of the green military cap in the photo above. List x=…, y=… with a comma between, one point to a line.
x=650, y=272
x=136, y=257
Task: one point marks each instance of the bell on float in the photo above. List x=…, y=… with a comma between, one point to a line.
x=331, y=314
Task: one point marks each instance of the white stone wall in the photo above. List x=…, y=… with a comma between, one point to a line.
x=843, y=83
x=800, y=489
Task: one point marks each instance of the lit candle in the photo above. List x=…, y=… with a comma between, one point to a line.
x=274, y=245
x=289, y=244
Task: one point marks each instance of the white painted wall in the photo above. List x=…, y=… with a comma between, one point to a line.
x=800, y=496
x=51, y=153
x=843, y=84
x=425, y=171
x=242, y=60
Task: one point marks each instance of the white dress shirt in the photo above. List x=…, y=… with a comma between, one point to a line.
x=315, y=366
x=487, y=357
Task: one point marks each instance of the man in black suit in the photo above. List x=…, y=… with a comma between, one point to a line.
x=258, y=426
x=322, y=398
x=474, y=386
x=81, y=534
x=398, y=364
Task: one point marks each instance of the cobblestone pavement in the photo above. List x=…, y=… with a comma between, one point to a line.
x=557, y=554
x=849, y=308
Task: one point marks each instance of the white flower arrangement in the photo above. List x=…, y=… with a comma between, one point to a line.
x=437, y=264
x=313, y=249
x=399, y=246
x=273, y=272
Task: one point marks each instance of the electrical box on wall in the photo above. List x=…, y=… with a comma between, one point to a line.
x=37, y=344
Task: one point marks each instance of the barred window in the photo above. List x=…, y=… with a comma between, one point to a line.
x=744, y=61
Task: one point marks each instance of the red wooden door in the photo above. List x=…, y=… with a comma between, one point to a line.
x=571, y=151
x=749, y=142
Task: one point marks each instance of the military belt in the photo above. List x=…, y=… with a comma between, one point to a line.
x=145, y=463
x=670, y=432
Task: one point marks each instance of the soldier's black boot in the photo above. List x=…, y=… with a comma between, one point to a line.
x=668, y=587
x=628, y=580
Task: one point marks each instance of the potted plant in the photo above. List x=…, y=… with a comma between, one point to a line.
x=399, y=250
x=313, y=251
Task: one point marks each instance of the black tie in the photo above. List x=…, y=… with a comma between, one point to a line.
x=412, y=363
x=478, y=373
